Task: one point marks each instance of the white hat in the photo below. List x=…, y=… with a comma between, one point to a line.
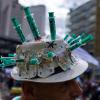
x=47, y=63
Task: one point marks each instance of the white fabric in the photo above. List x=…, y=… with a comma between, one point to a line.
x=83, y=54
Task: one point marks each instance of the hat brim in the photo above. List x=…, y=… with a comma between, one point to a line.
x=73, y=72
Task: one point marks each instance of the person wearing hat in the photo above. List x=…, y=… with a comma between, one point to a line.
x=53, y=78
x=47, y=68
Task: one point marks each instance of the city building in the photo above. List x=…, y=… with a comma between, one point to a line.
x=8, y=36
x=83, y=19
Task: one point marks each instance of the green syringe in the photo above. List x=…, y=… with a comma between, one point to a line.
x=18, y=29
x=80, y=43
x=32, y=24
x=52, y=25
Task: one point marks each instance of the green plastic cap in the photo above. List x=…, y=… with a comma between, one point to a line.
x=34, y=61
x=51, y=14
x=87, y=39
x=82, y=35
x=66, y=37
x=74, y=36
x=51, y=54
x=11, y=55
x=27, y=11
x=15, y=22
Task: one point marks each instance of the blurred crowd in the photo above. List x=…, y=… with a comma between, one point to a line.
x=10, y=88
x=90, y=86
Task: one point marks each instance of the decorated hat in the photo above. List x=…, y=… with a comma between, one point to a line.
x=46, y=60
